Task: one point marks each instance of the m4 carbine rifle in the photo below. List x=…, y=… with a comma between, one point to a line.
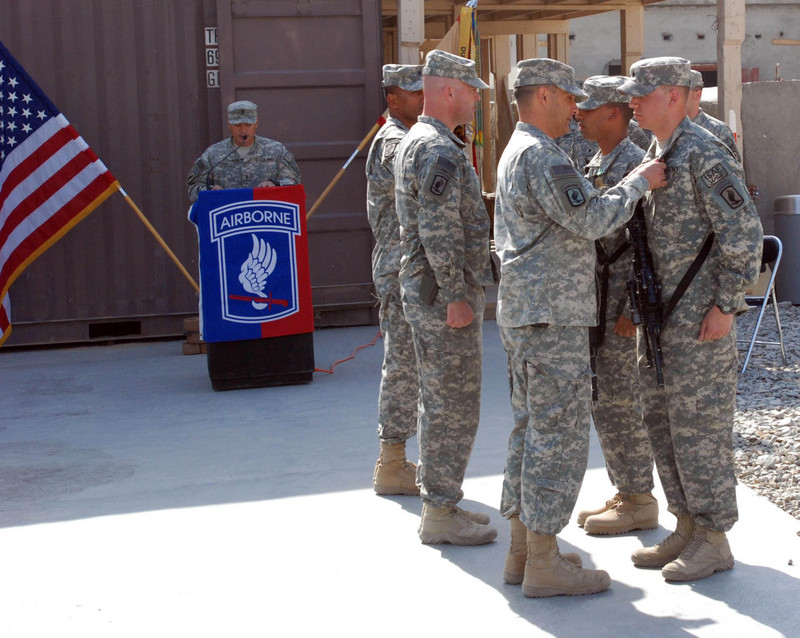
x=645, y=293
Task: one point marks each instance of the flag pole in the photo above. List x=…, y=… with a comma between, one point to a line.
x=338, y=175
x=155, y=234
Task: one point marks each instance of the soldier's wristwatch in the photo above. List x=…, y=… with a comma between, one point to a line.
x=727, y=310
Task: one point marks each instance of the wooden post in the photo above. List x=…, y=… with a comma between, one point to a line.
x=631, y=28
x=558, y=47
x=730, y=35
x=410, y=30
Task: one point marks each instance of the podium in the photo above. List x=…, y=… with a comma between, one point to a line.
x=256, y=315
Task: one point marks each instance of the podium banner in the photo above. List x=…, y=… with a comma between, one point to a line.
x=253, y=257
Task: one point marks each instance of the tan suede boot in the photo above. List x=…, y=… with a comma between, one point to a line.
x=667, y=550
x=707, y=552
x=451, y=525
x=584, y=514
x=547, y=573
x=514, y=570
x=394, y=475
x=630, y=512
x=478, y=517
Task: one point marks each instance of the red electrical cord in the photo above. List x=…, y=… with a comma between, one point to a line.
x=336, y=363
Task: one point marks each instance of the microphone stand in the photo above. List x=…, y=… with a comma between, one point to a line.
x=211, y=170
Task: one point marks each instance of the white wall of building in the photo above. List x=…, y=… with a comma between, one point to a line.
x=687, y=28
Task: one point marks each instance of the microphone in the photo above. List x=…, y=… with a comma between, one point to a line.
x=211, y=170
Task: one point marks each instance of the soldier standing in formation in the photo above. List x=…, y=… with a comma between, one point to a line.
x=399, y=389
x=697, y=115
x=444, y=269
x=690, y=419
x=547, y=217
x=604, y=119
x=244, y=160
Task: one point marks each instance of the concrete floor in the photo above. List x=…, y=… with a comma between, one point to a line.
x=136, y=501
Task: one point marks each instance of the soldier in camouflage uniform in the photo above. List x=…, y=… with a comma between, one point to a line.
x=399, y=389
x=701, y=118
x=604, y=119
x=638, y=136
x=244, y=160
x=576, y=146
x=547, y=217
x=445, y=266
x=690, y=419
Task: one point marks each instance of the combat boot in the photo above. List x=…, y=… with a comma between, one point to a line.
x=547, y=573
x=584, y=514
x=477, y=517
x=394, y=474
x=514, y=570
x=628, y=513
x=667, y=550
x=449, y=524
x=707, y=552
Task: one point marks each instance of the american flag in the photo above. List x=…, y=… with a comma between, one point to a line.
x=49, y=178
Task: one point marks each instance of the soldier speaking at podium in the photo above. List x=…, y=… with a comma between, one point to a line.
x=244, y=160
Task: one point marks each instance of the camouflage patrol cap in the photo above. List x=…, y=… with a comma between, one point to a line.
x=447, y=65
x=536, y=71
x=405, y=76
x=697, y=80
x=242, y=112
x=648, y=74
x=602, y=89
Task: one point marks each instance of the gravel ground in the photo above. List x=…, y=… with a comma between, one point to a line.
x=766, y=433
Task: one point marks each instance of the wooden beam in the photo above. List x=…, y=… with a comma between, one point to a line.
x=437, y=7
x=780, y=41
x=518, y=27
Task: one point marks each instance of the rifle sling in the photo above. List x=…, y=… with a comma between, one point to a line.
x=605, y=261
x=687, y=278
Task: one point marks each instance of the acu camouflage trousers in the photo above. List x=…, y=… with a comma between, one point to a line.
x=548, y=369
x=449, y=362
x=399, y=389
x=690, y=424
x=618, y=416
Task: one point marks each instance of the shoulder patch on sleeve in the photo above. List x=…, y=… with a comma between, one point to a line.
x=446, y=164
x=730, y=196
x=563, y=170
x=568, y=185
x=389, y=149
x=574, y=194
x=714, y=175
x=439, y=184
x=442, y=174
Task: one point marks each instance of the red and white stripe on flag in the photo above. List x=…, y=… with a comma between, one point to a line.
x=49, y=178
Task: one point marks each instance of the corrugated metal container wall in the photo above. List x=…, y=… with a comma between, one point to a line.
x=125, y=74
x=130, y=75
x=314, y=70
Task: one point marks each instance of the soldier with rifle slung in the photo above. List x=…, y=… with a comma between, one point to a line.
x=616, y=413
x=689, y=392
